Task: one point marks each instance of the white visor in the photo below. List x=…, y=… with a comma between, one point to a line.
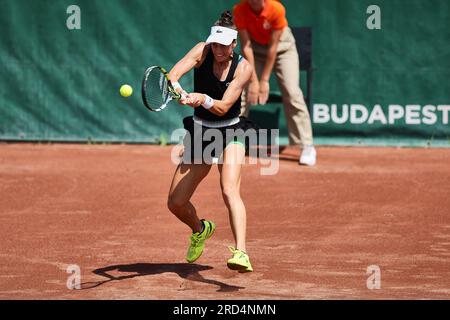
x=222, y=35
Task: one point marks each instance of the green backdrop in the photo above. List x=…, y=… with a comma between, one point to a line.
x=62, y=85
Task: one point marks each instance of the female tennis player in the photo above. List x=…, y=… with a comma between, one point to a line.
x=220, y=76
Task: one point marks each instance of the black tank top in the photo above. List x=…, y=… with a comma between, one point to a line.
x=206, y=82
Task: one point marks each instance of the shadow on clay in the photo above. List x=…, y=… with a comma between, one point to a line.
x=186, y=271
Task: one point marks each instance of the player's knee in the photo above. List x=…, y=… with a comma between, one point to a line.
x=175, y=203
x=230, y=192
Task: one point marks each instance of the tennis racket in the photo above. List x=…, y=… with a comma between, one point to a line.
x=157, y=90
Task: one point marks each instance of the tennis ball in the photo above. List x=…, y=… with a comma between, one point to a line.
x=126, y=90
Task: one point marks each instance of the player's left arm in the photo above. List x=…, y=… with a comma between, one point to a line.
x=237, y=85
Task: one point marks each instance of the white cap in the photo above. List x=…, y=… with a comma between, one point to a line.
x=222, y=35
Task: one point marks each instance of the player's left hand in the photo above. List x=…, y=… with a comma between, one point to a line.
x=264, y=88
x=184, y=100
x=195, y=99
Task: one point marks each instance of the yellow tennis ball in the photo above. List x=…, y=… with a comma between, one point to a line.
x=126, y=90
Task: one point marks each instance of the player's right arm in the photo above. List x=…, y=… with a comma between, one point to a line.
x=193, y=58
x=188, y=62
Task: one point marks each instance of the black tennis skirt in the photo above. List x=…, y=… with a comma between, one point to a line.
x=202, y=144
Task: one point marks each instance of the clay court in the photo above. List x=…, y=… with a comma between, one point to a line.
x=312, y=232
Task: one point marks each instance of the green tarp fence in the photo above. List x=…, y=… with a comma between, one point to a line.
x=388, y=86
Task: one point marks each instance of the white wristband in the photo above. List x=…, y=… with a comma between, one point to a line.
x=209, y=102
x=176, y=85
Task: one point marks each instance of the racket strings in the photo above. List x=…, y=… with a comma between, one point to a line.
x=156, y=89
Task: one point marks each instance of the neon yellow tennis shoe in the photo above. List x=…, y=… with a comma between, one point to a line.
x=198, y=241
x=240, y=261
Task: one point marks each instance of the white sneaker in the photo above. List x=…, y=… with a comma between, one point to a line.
x=308, y=156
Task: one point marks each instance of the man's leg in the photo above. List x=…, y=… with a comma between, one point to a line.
x=297, y=115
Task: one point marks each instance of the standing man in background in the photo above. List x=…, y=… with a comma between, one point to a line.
x=267, y=43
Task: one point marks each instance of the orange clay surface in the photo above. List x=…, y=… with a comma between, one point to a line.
x=312, y=232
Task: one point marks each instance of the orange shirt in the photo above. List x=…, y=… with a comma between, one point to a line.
x=260, y=26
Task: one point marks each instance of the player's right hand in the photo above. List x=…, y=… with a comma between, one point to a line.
x=182, y=92
x=184, y=100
